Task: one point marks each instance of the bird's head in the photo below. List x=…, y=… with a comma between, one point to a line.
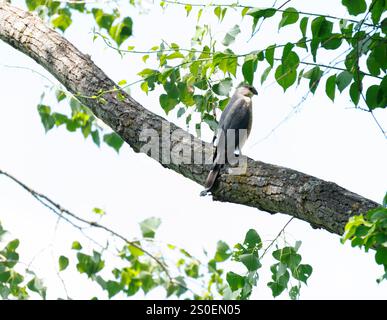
x=247, y=90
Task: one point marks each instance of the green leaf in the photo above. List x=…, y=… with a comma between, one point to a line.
x=62, y=21
x=147, y=282
x=244, y=11
x=95, y=137
x=354, y=92
x=5, y=277
x=99, y=211
x=122, y=82
x=192, y=270
x=37, y=286
x=226, y=62
x=63, y=263
x=276, y=288
x=302, y=43
x=385, y=200
x=294, y=292
x=303, y=26
x=321, y=28
x=211, y=121
x=330, y=87
x=235, y=281
x=113, y=287
x=321, y=32
x=175, y=55
x=286, y=73
x=269, y=54
x=223, y=251
x=149, y=227
x=103, y=20
x=33, y=4
x=147, y=73
x=45, y=116
x=253, y=240
x=373, y=65
x=302, y=272
x=355, y=7
x=180, y=112
x=13, y=245
x=188, y=9
x=343, y=80
x=281, y=254
x=60, y=95
x=249, y=67
x=76, y=245
x=380, y=54
x=12, y=258
x=223, y=103
x=171, y=89
x=232, y=64
x=231, y=35
x=135, y=251
x=223, y=87
x=381, y=256
x=289, y=16
x=291, y=60
x=257, y=14
x=375, y=97
x=378, y=7
x=90, y=265
x=218, y=12
x=285, y=77
x=77, y=6
x=286, y=51
x=145, y=87
x=121, y=31
x=113, y=140
x=200, y=12
x=251, y=261
x=265, y=74
x=288, y=256
x=333, y=42
x=167, y=102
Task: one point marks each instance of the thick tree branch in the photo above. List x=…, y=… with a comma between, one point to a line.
x=267, y=187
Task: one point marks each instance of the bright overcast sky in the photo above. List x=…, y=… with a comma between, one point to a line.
x=330, y=141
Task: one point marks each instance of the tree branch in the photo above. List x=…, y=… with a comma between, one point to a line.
x=62, y=213
x=264, y=186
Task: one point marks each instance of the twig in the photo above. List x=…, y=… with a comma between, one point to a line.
x=275, y=239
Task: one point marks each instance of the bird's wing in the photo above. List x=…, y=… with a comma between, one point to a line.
x=236, y=116
x=224, y=114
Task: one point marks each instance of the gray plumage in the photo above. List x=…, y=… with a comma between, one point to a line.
x=237, y=115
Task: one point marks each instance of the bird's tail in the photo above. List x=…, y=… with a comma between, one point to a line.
x=211, y=178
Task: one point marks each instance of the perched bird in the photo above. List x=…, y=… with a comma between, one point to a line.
x=238, y=115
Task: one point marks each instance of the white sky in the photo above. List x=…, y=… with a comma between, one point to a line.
x=330, y=141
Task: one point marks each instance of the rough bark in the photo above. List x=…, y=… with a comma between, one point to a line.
x=266, y=187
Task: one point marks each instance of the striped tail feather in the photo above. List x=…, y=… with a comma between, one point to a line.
x=211, y=178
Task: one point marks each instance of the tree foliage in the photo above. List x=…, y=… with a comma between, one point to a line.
x=199, y=80
x=369, y=231
x=135, y=271
x=13, y=282
x=189, y=77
